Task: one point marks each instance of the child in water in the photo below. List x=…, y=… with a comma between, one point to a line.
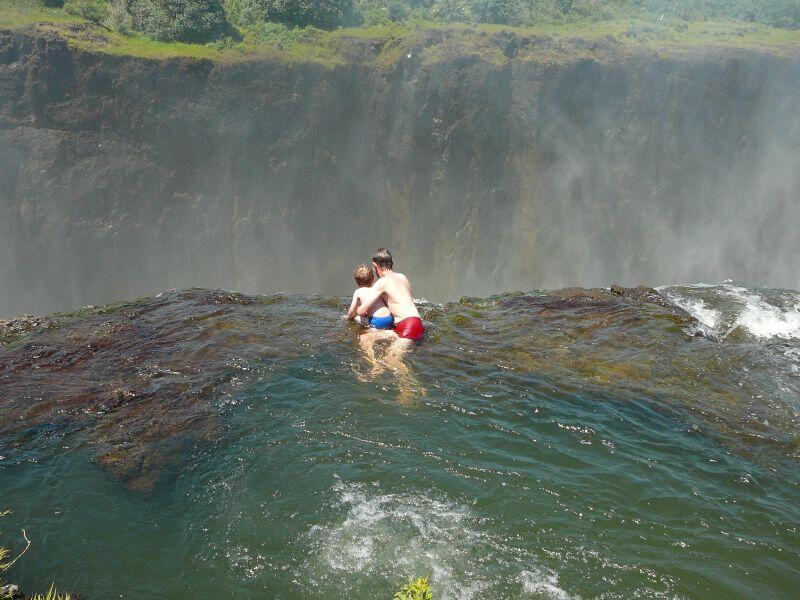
x=378, y=316
x=378, y=319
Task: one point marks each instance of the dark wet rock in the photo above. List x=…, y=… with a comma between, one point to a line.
x=143, y=379
x=640, y=294
x=11, y=592
x=508, y=43
x=146, y=382
x=601, y=298
x=12, y=329
x=124, y=375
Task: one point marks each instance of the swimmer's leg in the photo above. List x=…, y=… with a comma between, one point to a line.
x=396, y=352
x=367, y=342
x=407, y=385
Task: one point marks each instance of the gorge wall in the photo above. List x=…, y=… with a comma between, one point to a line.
x=121, y=176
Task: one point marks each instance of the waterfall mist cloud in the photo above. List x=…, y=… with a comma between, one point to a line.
x=121, y=177
x=671, y=172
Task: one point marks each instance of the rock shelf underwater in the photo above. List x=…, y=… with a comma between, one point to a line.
x=527, y=413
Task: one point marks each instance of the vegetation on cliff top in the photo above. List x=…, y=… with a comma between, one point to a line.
x=206, y=20
x=333, y=32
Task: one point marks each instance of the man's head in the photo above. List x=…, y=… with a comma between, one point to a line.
x=363, y=276
x=382, y=259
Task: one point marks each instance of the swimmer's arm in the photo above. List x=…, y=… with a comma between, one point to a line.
x=371, y=296
x=351, y=312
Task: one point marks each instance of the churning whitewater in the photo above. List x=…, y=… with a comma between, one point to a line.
x=575, y=443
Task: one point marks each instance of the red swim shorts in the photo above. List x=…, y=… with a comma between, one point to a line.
x=410, y=328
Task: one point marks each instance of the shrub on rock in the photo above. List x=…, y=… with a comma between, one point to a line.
x=324, y=14
x=505, y=12
x=179, y=20
x=91, y=10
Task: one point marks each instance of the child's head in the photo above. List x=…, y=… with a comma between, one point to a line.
x=363, y=276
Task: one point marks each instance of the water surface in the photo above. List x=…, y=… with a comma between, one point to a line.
x=580, y=443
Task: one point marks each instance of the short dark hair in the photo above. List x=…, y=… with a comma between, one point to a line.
x=363, y=275
x=383, y=258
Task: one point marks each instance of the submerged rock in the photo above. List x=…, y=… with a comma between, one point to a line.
x=640, y=294
x=146, y=382
x=11, y=592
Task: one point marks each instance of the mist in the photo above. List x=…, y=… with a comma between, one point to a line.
x=121, y=177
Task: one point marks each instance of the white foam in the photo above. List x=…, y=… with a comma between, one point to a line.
x=397, y=536
x=542, y=584
x=699, y=286
x=793, y=353
x=707, y=317
x=750, y=312
x=765, y=320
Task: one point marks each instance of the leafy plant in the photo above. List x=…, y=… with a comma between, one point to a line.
x=52, y=594
x=498, y=11
x=382, y=12
x=179, y=20
x=415, y=590
x=325, y=14
x=91, y=10
x=118, y=18
x=453, y=10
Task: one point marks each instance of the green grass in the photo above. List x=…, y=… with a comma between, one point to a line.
x=384, y=45
x=14, y=15
x=52, y=594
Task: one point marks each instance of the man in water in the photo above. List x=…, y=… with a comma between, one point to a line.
x=395, y=290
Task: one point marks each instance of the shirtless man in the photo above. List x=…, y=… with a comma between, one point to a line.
x=394, y=289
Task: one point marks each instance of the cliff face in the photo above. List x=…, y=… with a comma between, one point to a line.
x=122, y=176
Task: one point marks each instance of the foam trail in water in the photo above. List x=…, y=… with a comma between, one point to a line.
x=765, y=320
x=542, y=585
x=706, y=317
x=726, y=307
x=413, y=534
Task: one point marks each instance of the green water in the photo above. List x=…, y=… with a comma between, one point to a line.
x=544, y=448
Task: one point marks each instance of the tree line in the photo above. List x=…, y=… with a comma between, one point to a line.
x=206, y=20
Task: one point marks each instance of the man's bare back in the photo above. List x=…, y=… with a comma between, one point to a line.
x=396, y=291
x=393, y=289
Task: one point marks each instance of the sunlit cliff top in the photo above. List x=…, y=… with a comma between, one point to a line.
x=432, y=42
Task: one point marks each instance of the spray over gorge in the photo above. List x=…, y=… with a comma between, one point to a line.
x=124, y=176
x=599, y=219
